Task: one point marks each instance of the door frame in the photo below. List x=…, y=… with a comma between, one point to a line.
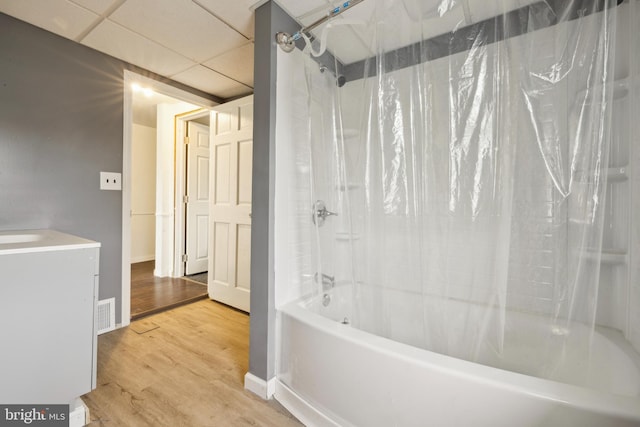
x=181, y=185
x=129, y=78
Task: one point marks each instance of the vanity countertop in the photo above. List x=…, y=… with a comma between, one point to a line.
x=25, y=241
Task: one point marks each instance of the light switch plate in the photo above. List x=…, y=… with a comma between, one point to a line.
x=110, y=181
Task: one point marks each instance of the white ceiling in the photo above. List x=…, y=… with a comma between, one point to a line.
x=205, y=44
x=209, y=44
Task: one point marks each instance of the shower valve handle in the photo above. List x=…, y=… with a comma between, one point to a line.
x=323, y=213
x=320, y=213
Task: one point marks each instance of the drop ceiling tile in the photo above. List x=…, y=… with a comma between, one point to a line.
x=211, y=82
x=180, y=25
x=298, y=8
x=118, y=41
x=237, y=63
x=97, y=6
x=235, y=13
x=58, y=16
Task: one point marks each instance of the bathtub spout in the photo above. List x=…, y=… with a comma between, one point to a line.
x=328, y=282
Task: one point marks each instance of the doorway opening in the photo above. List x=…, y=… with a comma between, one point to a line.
x=192, y=190
x=153, y=164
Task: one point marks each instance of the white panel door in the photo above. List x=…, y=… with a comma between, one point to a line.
x=197, y=206
x=232, y=157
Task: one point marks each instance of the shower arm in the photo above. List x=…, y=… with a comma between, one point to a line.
x=287, y=41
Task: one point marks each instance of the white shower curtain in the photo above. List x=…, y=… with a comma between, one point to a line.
x=467, y=174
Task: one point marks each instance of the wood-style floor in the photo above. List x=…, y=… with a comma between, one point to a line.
x=150, y=294
x=182, y=367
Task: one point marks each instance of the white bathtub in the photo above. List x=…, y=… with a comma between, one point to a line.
x=332, y=374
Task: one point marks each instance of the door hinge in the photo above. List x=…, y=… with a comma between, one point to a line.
x=186, y=140
x=185, y=258
x=185, y=199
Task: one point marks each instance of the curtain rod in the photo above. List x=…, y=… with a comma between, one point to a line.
x=287, y=41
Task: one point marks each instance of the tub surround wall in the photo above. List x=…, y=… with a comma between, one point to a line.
x=531, y=274
x=629, y=39
x=300, y=375
x=293, y=226
x=532, y=282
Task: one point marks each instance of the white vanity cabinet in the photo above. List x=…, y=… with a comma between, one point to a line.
x=48, y=298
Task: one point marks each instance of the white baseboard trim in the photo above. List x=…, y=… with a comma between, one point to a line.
x=301, y=409
x=260, y=387
x=142, y=258
x=78, y=414
x=160, y=273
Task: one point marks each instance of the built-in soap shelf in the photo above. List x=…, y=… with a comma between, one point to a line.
x=609, y=256
x=614, y=174
x=344, y=236
x=349, y=133
x=617, y=174
x=349, y=186
x=620, y=89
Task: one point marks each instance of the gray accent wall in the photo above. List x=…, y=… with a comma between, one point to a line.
x=270, y=19
x=61, y=123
